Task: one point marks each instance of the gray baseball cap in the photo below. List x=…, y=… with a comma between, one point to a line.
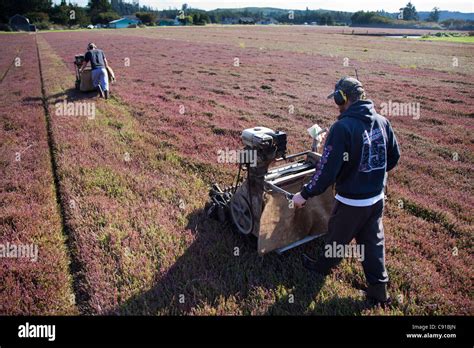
x=349, y=86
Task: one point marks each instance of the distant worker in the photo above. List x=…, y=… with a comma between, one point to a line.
x=360, y=149
x=99, y=65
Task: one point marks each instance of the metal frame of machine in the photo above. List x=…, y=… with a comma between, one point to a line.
x=226, y=205
x=78, y=60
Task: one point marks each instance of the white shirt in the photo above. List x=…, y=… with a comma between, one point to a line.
x=360, y=202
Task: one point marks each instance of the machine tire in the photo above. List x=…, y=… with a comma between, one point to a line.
x=241, y=214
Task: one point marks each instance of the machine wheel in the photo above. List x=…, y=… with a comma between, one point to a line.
x=241, y=214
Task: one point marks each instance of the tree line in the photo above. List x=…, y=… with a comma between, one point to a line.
x=44, y=13
x=408, y=15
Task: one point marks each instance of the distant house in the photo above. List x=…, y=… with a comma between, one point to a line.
x=246, y=20
x=132, y=17
x=177, y=21
x=229, y=21
x=267, y=21
x=19, y=23
x=125, y=22
x=165, y=22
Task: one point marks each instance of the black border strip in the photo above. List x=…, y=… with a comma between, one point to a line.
x=239, y=330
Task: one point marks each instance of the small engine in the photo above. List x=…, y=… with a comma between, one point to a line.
x=262, y=138
x=79, y=59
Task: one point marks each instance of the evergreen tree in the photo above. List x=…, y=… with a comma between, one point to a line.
x=434, y=15
x=409, y=12
x=101, y=11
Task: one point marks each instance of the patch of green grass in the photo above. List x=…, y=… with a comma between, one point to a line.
x=127, y=136
x=104, y=239
x=456, y=39
x=115, y=123
x=106, y=180
x=164, y=194
x=163, y=241
x=11, y=32
x=171, y=157
x=181, y=220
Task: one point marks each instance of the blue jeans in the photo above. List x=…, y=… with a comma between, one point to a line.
x=100, y=76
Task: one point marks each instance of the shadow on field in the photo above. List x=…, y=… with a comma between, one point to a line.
x=209, y=275
x=70, y=95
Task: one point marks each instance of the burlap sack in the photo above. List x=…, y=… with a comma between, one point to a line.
x=276, y=225
x=86, y=81
x=281, y=225
x=110, y=74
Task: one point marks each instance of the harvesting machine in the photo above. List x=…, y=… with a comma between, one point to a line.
x=84, y=79
x=261, y=204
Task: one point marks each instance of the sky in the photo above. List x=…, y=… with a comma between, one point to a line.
x=338, y=5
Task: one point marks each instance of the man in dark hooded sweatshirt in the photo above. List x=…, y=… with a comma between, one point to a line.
x=360, y=149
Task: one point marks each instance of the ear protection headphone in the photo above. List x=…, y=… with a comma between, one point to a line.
x=340, y=97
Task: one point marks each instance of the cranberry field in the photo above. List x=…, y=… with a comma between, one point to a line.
x=114, y=199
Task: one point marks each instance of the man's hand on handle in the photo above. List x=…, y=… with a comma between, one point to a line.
x=298, y=201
